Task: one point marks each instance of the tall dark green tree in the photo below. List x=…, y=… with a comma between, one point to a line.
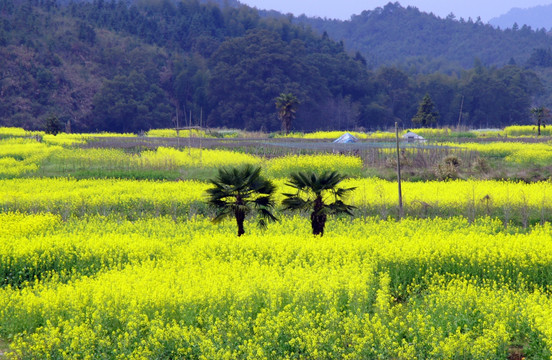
x=427, y=115
x=53, y=125
x=313, y=193
x=286, y=104
x=236, y=192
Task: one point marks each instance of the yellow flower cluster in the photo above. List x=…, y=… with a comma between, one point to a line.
x=455, y=193
x=283, y=166
x=514, y=152
x=66, y=197
x=156, y=288
x=519, y=202
x=124, y=269
x=174, y=133
x=170, y=158
x=333, y=134
x=431, y=132
x=425, y=132
x=526, y=130
x=20, y=156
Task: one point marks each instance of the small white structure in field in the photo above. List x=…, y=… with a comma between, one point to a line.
x=410, y=136
x=345, y=139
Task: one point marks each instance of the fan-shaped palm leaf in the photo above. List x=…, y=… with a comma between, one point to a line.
x=236, y=192
x=311, y=193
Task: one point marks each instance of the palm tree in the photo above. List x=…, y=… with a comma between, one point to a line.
x=542, y=116
x=313, y=191
x=239, y=191
x=286, y=104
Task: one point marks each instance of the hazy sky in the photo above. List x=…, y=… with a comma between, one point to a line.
x=343, y=9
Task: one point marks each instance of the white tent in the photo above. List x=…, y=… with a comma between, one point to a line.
x=410, y=136
x=345, y=139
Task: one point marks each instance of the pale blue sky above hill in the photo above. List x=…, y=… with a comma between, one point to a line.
x=343, y=9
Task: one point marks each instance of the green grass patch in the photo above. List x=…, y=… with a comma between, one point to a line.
x=4, y=348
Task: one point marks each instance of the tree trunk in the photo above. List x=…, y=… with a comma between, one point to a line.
x=240, y=216
x=318, y=217
x=286, y=124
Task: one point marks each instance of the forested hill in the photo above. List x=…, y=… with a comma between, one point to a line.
x=536, y=17
x=131, y=66
x=395, y=34
x=106, y=65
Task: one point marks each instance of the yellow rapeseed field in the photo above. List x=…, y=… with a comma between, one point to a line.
x=156, y=288
x=109, y=268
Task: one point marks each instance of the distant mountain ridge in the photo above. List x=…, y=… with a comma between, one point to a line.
x=537, y=17
x=394, y=34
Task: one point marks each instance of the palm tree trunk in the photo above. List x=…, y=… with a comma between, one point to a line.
x=318, y=217
x=287, y=124
x=240, y=217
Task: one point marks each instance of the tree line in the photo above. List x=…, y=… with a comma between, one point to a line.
x=129, y=67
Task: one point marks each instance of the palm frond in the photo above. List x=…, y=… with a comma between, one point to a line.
x=342, y=192
x=299, y=181
x=221, y=214
x=264, y=201
x=238, y=191
x=339, y=207
x=264, y=216
x=296, y=203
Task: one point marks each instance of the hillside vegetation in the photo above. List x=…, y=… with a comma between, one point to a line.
x=131, y=67
x=406, y=35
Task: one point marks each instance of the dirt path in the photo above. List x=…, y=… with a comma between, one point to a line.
x=4, y=347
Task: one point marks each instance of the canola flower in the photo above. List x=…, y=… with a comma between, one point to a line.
x=168, y=157
x=20, y=156
x=526, y=130
x=120, y=269
x=283, y=166
x=157, y=288
x=518, y=202
x=174, y=133
x=64, y=139
x=224, y=133
x=6, y=132
x=67, y=197
x=425, y=132
x=513, y=152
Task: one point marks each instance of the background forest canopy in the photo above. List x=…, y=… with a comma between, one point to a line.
x=132, y=66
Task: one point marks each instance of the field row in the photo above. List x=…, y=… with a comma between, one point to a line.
x=26, y=157
x=20, y=157
x=156, y=288
x=509, y=131
x=521, y=203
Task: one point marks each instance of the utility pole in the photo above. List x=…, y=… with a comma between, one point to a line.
x=190, y=134
x=460, y=115
x=399, y=170
x=177, y=125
